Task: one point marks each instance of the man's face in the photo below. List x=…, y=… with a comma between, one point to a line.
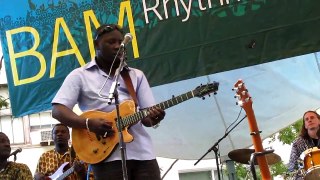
x=311, y=121
x=60, y=135
x=108, y=45
x=5, y=148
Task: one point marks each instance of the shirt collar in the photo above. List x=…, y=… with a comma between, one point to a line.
x=67, y=152
x=93, y=63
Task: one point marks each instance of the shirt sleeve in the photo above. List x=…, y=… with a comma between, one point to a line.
x=294, y=156
x=25, y=172
x=144, y=93
x=41, y=161
x=69, y=91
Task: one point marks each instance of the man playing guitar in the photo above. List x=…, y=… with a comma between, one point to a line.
x=88, y=86
x=51, y=160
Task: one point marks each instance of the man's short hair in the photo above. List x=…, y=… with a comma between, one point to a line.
x=59, y=124
x=106, y=28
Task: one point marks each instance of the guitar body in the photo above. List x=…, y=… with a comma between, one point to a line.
x=59, y=171
x=92, y=149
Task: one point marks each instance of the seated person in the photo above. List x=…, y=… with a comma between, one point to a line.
x=51, y=160
x=11, y=170
x=307, y=139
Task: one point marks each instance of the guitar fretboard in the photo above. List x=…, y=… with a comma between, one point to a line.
x=131, y=119
x=66, y=173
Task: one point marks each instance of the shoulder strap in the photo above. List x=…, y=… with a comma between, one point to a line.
x=72, y=154
x=126, y=77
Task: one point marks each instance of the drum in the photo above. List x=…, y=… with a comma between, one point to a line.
x=312, y=163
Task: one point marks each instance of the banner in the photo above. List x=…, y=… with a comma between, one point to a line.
x=42, y=41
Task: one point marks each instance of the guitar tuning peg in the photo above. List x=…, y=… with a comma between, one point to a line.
x=203, y=98
x=248, y=99
x=240, y=103
x=209, y=95
x=172, y=96
x=215, y=93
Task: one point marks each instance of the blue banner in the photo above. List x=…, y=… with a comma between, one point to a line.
x=43, y=41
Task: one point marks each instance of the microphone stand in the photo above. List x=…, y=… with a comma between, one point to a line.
x=14, y=157
x=215, y=147
x=113, y=94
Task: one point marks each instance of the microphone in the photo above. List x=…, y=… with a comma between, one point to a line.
x=16, y=152
x=126, y=40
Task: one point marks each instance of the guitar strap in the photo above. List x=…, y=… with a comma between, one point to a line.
x=127, y=80
x=72, y=154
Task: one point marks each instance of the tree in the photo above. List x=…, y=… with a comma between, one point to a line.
x=288, y=134
x=3, y=102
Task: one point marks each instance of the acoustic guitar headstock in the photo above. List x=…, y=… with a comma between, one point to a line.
x=244, y=98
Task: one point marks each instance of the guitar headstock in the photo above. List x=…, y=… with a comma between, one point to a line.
x=244, y=98
x=203, y=90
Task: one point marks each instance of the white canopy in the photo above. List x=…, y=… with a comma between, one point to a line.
x=281, y=92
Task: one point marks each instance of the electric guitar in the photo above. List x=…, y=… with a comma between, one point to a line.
x=245, y=102
x=59, y=174
x=92, y=149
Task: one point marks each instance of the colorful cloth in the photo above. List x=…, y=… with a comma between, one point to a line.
x=15, y=171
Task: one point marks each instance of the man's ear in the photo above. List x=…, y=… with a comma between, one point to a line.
x=96, y=45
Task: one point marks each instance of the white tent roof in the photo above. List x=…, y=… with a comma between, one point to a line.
x=281, y=92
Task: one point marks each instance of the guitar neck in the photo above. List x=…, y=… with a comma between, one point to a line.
x=257, y=143
x=132, y=119
x=246, y=103
x=66, y=173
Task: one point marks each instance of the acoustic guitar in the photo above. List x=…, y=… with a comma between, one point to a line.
x=245, y=101
x=60, y=174
x=93, y=149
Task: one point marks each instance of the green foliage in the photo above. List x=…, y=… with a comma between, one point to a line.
x=244, y=173
x=241, y=170
x=278, y=169
x=288, y=134
x=3, y=102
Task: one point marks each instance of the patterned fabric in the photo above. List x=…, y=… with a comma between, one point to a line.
x=298, y=147
x=16, y=171
x=51, y=160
